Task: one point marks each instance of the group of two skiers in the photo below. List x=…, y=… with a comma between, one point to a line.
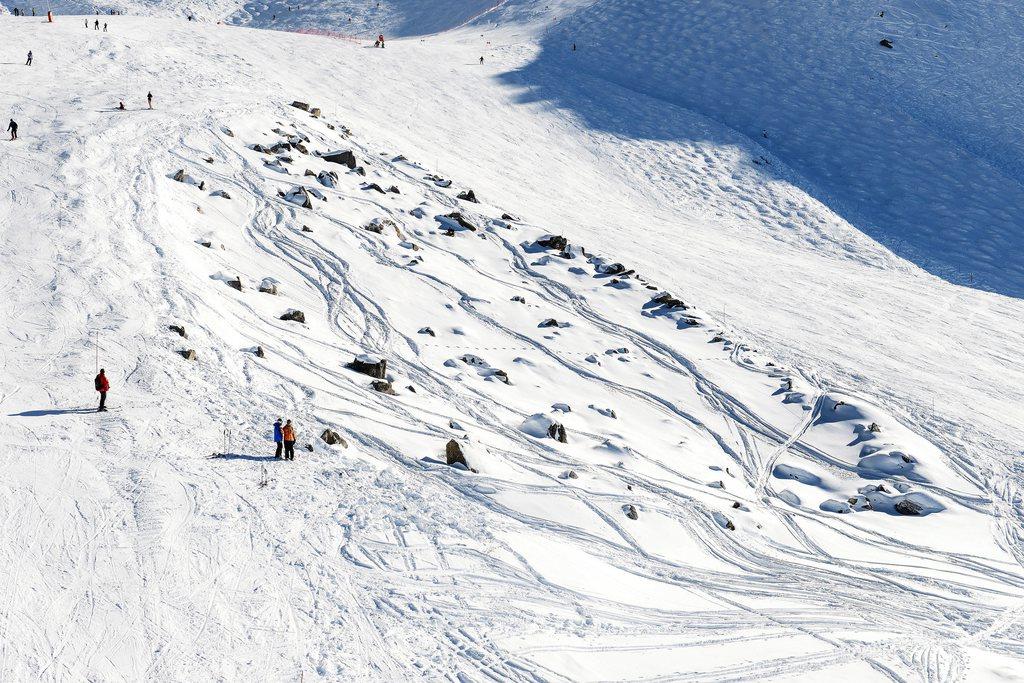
x=284, y=435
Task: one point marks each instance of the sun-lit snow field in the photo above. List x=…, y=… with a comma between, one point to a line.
x=752, y=388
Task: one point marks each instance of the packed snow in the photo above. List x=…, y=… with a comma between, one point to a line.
x=591, y=380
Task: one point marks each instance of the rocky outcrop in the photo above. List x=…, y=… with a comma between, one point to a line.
x=333, y=438
x=294, y=316
x=453, y=454
x=345, y=157
x=179, y=329
x=373, y=366
x=384, y=387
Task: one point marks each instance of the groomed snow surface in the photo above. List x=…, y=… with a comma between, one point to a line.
x=713, y=430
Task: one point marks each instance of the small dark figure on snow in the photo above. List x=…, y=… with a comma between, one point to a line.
x=120, y=105
x=96, y=26
x=102, y=386
x=288, y=434
x=13, y=128
x=149, y=99
x=574, y=47
x=278, y=439
x=104, y=27
x=87, y=23
x=28, y=62
x=380, y=41
x=481, y=60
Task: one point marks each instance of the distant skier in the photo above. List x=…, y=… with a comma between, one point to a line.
x=120, y=105
x=29, y=61
x=278, y=439
x=574, y=47
x=96, y=26
x=380, y=41
x=102, y=386
x=87, y=23
x=104, y=27
x=149, y=99
x=13, y=128
x=481, y=60
x=288, y=434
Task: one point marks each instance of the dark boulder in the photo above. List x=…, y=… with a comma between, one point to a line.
x=373, y=186
x=260, y=353
x=300, y=105
x=631, y=511
x=907, y=507
x=453, y=454
x=332, y=438
x=666, y=299
x=236, y=283
x=460, y=220
x=189, y=354
x=344, y=157
x=383, y=386
x=557, y=432
x=556, y=242
x=885, y=42
x=467, y=196
x=294, y=316
x=179, y=329
x=370, y=365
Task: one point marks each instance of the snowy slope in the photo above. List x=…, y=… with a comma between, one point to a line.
x=918, y=146
x=132, y=554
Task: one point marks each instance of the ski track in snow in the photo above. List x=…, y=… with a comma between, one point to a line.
x=133, y=554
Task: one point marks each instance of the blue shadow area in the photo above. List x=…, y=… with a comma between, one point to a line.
x=919, y=146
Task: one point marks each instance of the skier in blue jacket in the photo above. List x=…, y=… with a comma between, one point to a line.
x=278, y=438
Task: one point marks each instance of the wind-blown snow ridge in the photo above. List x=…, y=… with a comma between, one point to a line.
x=715, y=512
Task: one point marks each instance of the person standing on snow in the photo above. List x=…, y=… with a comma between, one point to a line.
x=278, y=438
x=149, y=98
x=288, y=434
x=104, y=27
x=380, y=40
x=29, y=62
x=102, y=386
x=96, y=26
x=13, y=128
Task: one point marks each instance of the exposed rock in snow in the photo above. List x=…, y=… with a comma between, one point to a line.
x=236, y=283
x=555, y=242
x=180, y=329
x=268, y=285
x=333, y=438
x=300, y=105
x=189, y=354
x=426, y=330
x=467, y=196
x=371, y=365
x=453, y=454
x=384, y=387
x=345, y=157
x=631, y=511
x=541, y=426
x=294, y=316
x=907, y=507
x=455, y=220
x=328, y=179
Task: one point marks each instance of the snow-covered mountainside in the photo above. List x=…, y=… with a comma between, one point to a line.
x=710, y=427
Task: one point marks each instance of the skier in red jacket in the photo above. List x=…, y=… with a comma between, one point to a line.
x=102, y=386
